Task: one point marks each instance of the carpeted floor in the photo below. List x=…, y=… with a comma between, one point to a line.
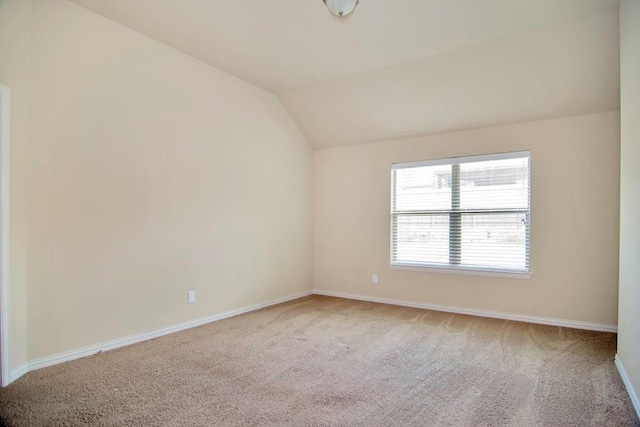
x=321, y=361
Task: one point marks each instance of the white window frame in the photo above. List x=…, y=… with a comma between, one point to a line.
x=453, y=268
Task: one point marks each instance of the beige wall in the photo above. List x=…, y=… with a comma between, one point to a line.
x=574, y=220
x=148, y=174
x=629, y=319
x=152, y=174
x=15, y=17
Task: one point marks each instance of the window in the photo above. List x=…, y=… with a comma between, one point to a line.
x=459, y=214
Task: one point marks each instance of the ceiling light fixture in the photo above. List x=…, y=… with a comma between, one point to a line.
x=341, y=7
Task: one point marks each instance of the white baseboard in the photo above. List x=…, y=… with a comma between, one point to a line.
x=121, y=342
x=628, y=385
x=67, y=356
x=18, y=372
x=482, y=313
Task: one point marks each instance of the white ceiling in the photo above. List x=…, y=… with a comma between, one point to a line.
x=557, y=72
x=286, y=44
x=398, y=67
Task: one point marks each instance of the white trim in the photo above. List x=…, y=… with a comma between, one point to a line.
x=469, y=271
x=117, y=343
x=67, y=356
x=481, y=313
x=18, y=372
x=627, y=383
x=460, y=160
x=5, y=105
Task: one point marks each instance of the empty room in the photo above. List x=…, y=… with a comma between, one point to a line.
x=319, y=212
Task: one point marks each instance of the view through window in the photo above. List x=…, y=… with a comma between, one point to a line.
x=469, y=212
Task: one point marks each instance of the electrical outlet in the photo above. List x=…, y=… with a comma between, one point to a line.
x=192, y=297
x=374, y=279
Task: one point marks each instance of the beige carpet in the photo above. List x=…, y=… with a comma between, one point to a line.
x=321, y=361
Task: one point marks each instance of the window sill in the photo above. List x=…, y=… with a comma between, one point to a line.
x=460, y=270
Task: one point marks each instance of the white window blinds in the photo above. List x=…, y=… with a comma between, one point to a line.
x=467, y=212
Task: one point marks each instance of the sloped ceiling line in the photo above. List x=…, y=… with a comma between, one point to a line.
x=396, y=69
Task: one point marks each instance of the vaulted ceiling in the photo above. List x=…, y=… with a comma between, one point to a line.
x=399, y=68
